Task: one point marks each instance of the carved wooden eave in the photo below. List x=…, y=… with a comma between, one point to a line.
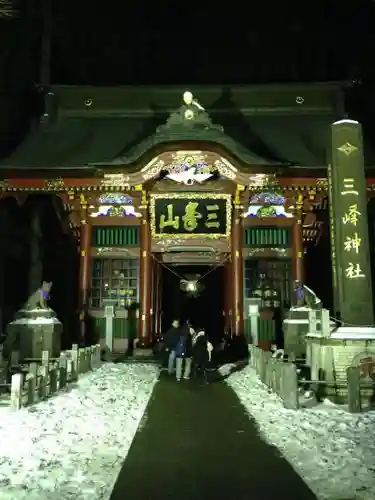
x=168, y=159
x=218, y=246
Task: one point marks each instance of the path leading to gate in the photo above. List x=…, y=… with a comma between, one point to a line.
x=197, y=442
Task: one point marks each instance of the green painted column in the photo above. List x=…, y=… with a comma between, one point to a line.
x=349, y=226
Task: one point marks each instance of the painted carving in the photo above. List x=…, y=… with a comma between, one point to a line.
x=55, y=184
x=115, y=199
x=188, y=168
x=115, y=211
x=267, y=204
x=116, y=180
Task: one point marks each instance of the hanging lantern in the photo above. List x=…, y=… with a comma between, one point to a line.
x=191, y=286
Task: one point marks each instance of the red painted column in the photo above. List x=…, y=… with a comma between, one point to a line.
x=297, y=242
x=160, y=301
x=157, y=277
x=144, y=323
x=84, y=270
x=152, y=297
x=228, y=295
x=237, y=272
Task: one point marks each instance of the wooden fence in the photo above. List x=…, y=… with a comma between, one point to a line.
x=282, y=378
x=38, y=379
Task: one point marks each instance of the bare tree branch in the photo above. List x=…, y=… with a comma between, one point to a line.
x=6, y=9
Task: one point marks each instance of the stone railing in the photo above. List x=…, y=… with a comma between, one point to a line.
x=280, y=377
x=37, y=379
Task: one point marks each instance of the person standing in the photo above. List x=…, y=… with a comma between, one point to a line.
x=202, y=352
x=170, y=342
x=184, y=352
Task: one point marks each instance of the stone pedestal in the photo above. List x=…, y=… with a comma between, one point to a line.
x=300, y=321
x=32, y=332
x=109, y=315
x=252, y=306
x=330, y=357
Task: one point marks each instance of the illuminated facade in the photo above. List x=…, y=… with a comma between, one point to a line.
x=133, y=197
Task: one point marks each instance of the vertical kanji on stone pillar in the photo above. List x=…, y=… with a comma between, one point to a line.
x=144, y=324
x=237, y=268
x=85, y=266
x=349, y=226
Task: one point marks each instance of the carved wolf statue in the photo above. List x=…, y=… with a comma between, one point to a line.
x=38, y=300
x=306, y=297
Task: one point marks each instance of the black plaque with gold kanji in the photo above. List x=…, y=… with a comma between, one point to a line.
x=349, y=227
x=190, y=216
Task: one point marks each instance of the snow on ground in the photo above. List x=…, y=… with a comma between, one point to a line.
x=72, y=446
x=334, y=451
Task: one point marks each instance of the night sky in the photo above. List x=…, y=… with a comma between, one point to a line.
x=174, y=42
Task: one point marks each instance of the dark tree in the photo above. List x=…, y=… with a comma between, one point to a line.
x=14, y=241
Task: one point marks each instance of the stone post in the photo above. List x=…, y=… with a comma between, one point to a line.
x=349, y=228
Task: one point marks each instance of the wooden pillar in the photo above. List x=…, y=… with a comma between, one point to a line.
x=297, y=242
x=228, y=296
x=157, y=295
x=237, y=270
x=84, y=268
x=152, y=298
x=144, y=323
x=160, y=301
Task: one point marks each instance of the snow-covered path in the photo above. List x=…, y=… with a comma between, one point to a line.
x=73, y=445
x=331, y=449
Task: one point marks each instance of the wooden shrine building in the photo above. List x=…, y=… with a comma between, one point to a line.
x=221, y=176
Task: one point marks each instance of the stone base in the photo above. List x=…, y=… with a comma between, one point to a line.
x=142, y=352
x=329, y=358
x=32, y=332
x=119, y=345
x=295, y=328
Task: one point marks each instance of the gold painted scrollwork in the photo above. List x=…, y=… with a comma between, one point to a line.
x=57, y=184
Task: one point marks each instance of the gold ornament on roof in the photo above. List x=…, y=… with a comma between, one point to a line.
x=189, y=114
x=57, y=184
x=189, y=101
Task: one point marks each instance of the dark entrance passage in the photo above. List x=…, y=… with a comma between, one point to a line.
x=206, y=309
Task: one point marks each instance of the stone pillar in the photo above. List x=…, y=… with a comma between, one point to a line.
x=349, y=228
x=297, y=239
x=237, y=269
x=84, y=268
x=144, y=323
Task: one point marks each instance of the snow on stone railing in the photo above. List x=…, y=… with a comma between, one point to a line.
x=41, y=378
x=280, y=377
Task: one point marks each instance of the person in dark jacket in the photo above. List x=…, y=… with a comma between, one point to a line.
x=184, y=351
x=202, y=351
x=170, y=342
